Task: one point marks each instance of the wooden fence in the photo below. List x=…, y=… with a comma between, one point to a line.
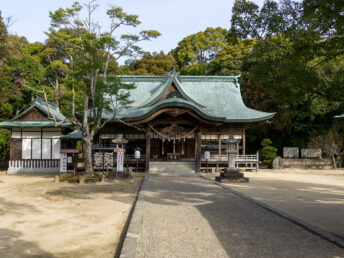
x=33, y=166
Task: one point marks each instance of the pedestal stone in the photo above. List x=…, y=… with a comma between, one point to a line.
x=231, y=174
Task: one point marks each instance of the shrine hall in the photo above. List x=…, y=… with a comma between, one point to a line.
x=171, y=118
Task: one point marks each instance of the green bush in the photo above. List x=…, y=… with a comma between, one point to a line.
x=4, y=144
x=269, y=153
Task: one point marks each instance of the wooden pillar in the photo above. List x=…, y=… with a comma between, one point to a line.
x=183, y=146
x=243, y=141
x=147, y=149
x=198, y=152
x=220, y=146
x=162, y=146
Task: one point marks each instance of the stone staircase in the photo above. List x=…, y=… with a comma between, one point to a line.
x=172, y=168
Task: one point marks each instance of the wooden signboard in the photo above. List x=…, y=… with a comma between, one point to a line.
x=108, y=160
x=63, y=162
x=98, y=160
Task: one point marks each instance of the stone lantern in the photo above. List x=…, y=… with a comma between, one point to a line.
x=231, y=173
x=231, y=143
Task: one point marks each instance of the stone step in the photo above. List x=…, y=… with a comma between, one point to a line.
x=160, y=167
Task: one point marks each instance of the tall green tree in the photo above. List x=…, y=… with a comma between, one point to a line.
x=152, y=64
x=229, y=61
x=89, y=52
x=289, y=70
x=194, y=52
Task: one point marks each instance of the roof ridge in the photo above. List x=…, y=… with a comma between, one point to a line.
x=40, y=99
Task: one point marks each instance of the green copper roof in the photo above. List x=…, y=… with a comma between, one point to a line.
x=339, y=116
x=75, y=135
x=42, y=106
x=30, y=124
x=216, y=98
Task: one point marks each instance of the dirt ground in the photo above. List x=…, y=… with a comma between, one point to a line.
x=41, y=218
x=314, y=196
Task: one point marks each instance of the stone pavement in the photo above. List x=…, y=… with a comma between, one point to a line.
x=315, y=198
x=192, y=217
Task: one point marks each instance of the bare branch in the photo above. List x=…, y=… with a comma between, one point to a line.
x=51, y=115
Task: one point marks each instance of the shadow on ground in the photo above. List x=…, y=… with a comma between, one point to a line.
x=88, y=191
x=12, y=246
x=243, y=228
x=15, y=208
x=318, y=204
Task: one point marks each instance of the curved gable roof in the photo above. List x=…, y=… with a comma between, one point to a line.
x=41, y=104
x=216, y=98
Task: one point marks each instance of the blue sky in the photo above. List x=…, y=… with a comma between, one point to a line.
x=174, y=19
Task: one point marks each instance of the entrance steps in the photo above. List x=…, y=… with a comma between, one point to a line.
x=172, y=167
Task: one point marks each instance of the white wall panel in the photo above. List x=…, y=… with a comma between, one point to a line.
x=51, y=134
x=16, y=134
x=32, y=135
x=56, y=148
x=36, y=149
x=26, y=149
x=46, y=148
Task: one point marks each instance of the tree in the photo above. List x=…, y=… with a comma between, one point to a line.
x=89, y=52
x=331, y=144
x=290, y=70
x=229, y=61
x=195, y=51
x=248, y=21
x=269, y=153
x=152, y=64
x=3, y=36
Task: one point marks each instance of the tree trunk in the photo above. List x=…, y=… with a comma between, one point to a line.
x=87, y=139
x=88, y=154
x=334, y=162
x=56, y=91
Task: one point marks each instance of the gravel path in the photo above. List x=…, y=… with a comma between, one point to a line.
x=191, y=217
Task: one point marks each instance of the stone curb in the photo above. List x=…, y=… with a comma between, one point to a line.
x=133, y=233
x=313, y=229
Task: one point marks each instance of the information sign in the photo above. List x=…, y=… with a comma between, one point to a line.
x=120, y=159
x=63, y=162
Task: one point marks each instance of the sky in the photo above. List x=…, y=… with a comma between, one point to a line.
x=174, y=19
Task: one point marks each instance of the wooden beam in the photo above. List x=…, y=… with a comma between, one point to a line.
x=243, y=141
x=172, y=120
x=147, y=149
x=166, y=110
x=198, y=151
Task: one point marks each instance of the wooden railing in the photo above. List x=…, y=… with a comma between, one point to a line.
x=224, y=157
x=247, y=157
x=248, y=162
x=33, y=165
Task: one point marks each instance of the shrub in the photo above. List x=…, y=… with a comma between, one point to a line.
x=268, y=152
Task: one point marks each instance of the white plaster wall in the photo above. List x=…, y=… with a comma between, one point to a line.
x=56, y=148
x=36, y=148
x=51, y=134
x=26, y=149
x=16, y=134
x=46, y=148
x=31, y=135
